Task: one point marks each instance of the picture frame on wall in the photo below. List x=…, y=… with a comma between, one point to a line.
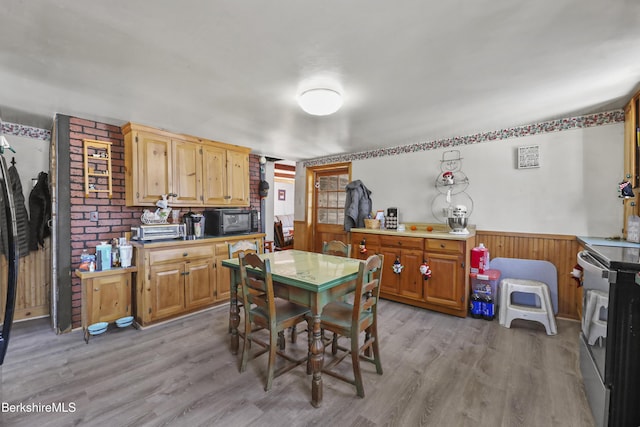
x=282, y=194
x=529, y=157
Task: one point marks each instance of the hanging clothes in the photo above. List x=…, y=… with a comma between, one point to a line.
x=22, y=217
x=40, y=208
x=357, y=205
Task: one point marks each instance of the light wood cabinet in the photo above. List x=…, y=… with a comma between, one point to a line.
x=181, y=276
x=631, y=157
x=192, y=171
x=446, y=287
x=445, y=291
x=106, y=296
x=408, y=251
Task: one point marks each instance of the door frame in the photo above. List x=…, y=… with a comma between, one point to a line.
x=310, y=219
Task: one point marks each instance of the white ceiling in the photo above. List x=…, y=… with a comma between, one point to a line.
x=410, y=70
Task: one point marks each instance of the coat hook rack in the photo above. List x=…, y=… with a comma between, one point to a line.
x=13, y=161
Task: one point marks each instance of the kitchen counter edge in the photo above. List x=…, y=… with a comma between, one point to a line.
x=419, y=234
x=182, y=242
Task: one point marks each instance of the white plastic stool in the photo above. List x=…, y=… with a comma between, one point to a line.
x=594, y=326
x=510, y=311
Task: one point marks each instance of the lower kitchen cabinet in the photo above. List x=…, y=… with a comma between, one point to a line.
x=445, y=291
x=180, y=277
x=106, y=296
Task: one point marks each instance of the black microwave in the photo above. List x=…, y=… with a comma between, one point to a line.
x=223, y=222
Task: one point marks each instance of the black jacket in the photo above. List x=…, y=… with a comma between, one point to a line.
x=22, y=217
x=40, y=208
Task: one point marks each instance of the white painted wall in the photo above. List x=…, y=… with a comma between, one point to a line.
x=574, y=191
x=283, y=207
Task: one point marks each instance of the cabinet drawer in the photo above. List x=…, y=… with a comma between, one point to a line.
x=401, y=242
x=443, y=245
x=180, y=254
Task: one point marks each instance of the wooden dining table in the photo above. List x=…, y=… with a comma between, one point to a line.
x=306, y=278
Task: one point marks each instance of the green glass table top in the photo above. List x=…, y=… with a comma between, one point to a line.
x=308, y=270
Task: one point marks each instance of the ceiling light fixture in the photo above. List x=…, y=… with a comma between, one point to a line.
x=320, y=101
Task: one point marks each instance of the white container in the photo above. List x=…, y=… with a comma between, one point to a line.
x=126, y=251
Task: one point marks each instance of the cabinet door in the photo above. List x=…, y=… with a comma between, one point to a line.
x=199, y=282
x=238, y=178
x=214, y=160
x=390, y=280
x=187, y=173
x=153, y=167
x=111, y=298
x=167, y=290
x=446, y=285
x=411, y=281
x=223, y=274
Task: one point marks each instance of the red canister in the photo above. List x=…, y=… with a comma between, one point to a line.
x=479, y=259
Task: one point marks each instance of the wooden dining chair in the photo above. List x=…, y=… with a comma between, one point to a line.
x=245, y=246
x=262, y=309
x=336, y=247
x=351, y=320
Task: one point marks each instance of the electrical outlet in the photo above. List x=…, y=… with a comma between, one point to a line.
x=93, y=216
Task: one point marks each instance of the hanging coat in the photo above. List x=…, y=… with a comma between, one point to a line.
x=22, y=217
x=40, y=208
x=357, y=205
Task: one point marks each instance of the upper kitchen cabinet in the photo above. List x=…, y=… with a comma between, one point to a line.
x=232, y=187
x=192, y=171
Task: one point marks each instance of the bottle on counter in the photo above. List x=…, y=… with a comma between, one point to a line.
x=115, y=253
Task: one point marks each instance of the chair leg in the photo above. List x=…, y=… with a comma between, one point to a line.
x=355, y=360
x=273, y=342
x=334, y=344
x=246, y=347
x=282, y=341
x=376, y=349
x=294, y=334
x=309, y=341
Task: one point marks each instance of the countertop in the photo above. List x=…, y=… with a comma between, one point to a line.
x=604, y=241
x=439, y=231
x=183, y=242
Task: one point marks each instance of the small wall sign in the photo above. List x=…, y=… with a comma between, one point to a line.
x=529, y=157
x=282, y=194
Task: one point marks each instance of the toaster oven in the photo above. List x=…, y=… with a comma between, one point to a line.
x=222, y=222
x=158, y=231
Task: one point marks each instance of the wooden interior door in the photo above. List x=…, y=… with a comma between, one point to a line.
x=328, y=200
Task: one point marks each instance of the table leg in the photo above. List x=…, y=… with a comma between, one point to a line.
x=317, y=360
x=234, y=313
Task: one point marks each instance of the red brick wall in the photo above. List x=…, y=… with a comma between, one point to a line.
x=114, y=218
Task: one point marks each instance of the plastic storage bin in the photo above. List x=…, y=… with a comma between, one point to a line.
x=485, y=283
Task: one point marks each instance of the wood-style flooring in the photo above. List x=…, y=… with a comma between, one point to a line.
x=439, y=370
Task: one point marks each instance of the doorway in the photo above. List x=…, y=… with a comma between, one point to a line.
x=326, y=197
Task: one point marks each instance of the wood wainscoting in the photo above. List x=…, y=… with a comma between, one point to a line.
x=34, y=284
x=560, y=250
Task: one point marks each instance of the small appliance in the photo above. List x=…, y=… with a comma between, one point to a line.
x=458, y=219
x=194, y=225
x=158, y=231
x=222, y=222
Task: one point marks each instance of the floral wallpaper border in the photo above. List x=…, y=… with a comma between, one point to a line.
x=586, y=121
x=26, y=131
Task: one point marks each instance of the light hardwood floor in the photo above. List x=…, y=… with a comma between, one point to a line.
x=439, y=370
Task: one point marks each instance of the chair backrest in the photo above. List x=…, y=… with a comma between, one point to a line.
x=367, y=292
x=278, y=234
x=246, y=246
x=336, y=247
x=257, y=286
x=530, y=269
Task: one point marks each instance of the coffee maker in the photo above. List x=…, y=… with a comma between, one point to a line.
x=194, y=225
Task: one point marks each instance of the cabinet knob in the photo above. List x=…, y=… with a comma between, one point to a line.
x=96, y=289
x=442, y=245
x=185, y=254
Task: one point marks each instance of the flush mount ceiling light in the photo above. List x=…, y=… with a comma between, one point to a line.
x=320, y=101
